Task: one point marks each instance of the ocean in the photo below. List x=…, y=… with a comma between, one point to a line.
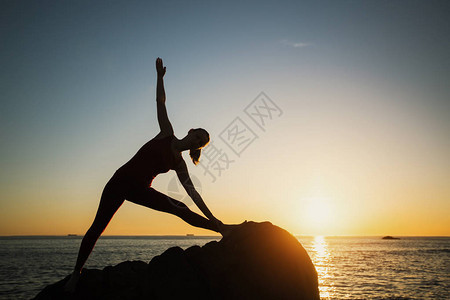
x=348, y=267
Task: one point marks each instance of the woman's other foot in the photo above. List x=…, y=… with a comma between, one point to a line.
x=71, y=285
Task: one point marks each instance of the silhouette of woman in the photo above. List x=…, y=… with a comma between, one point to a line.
x=133, y=181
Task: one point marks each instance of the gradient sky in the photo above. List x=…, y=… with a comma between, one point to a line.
x=362, y=146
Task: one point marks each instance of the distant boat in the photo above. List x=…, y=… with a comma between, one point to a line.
x=72, y=234
x=388, y=237
x=189, y=234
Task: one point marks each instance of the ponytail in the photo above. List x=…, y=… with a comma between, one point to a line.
x=195, y=155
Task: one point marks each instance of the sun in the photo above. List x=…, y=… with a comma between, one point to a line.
x=317, y=213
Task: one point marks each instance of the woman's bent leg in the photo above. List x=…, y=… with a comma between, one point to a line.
x=151, y=198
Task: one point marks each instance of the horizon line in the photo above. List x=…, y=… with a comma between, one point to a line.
x=195, y=235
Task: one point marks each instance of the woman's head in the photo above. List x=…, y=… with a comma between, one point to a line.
x=199, y=138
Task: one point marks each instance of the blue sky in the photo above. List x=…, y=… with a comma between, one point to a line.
x=354, y=78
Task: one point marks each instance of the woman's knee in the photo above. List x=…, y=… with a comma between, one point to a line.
x=181, y=210
x=178, y=204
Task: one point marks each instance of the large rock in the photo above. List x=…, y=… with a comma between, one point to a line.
x=256, y=261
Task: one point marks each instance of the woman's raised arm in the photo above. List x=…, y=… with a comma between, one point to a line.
x=163, y=119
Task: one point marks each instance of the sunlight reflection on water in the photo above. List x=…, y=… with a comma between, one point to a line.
x=321, y=259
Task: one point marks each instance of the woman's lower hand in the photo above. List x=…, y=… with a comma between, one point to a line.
x=218, y=223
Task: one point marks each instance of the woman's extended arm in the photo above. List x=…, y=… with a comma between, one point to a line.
x=163, y=119
x=185, y=180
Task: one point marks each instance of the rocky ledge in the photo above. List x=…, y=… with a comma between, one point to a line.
x=256, y=261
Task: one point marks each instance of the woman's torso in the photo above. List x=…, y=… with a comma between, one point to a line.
x=155, y=157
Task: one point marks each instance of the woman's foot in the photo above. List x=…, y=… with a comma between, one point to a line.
x=226, y=229
x=71, y=285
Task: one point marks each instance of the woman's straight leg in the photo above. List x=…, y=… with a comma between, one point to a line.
x=151, y=198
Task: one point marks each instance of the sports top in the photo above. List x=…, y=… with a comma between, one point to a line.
x=154, y=157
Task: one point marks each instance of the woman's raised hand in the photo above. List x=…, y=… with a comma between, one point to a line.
x=159, y=67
